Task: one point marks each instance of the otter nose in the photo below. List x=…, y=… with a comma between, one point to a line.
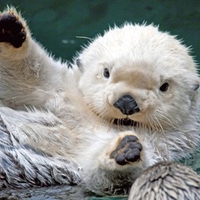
x=127, y=105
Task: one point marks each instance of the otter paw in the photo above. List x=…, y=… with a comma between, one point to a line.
x=12, y=30
x=127, y=151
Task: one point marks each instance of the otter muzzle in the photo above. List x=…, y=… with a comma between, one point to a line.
x=127, y=105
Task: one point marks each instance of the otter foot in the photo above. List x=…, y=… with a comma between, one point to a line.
x=124, y=151
x=128, y=150
x=11, y=30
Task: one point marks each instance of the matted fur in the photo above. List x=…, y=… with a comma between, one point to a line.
x=166, y=181
x=57, y=122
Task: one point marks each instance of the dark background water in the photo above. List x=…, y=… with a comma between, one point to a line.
x=58, y=25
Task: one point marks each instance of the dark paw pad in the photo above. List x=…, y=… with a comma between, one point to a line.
x=127, y=151
x=11, y=30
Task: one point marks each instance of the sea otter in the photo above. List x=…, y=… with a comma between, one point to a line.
x=127, y=101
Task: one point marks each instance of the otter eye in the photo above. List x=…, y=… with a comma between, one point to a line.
x=106, y=73
x=164, y=87
x=196, y=87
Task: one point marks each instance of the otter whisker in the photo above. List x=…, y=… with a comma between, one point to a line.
x=167, y=120
x=101, y=115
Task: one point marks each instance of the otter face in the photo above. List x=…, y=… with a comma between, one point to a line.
x=139, y=73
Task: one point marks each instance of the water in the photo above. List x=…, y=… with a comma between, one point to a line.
x=57, y=23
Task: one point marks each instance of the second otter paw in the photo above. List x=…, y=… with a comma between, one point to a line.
x=12, y=30
x=127, y=151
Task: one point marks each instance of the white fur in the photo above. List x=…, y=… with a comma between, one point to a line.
x=68, y=112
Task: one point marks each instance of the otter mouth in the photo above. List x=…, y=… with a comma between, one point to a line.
x=125, y=122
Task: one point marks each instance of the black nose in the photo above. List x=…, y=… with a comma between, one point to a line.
x=127, y=105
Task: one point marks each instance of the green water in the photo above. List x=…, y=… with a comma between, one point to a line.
x=58, y=25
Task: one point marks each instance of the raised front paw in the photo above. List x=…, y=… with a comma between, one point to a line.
x=127, y=151
x=11, y=29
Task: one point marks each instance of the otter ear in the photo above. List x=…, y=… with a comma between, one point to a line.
x=79, y=64
x=195, y=86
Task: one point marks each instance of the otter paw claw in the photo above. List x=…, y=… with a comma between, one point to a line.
x=12, y=30
x=127, y=151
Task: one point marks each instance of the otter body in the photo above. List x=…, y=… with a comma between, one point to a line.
x=129, y=100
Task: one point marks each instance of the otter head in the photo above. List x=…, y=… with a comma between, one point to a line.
x=141, y=74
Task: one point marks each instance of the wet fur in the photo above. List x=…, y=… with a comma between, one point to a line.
x=166, y=181
x=57, y=122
